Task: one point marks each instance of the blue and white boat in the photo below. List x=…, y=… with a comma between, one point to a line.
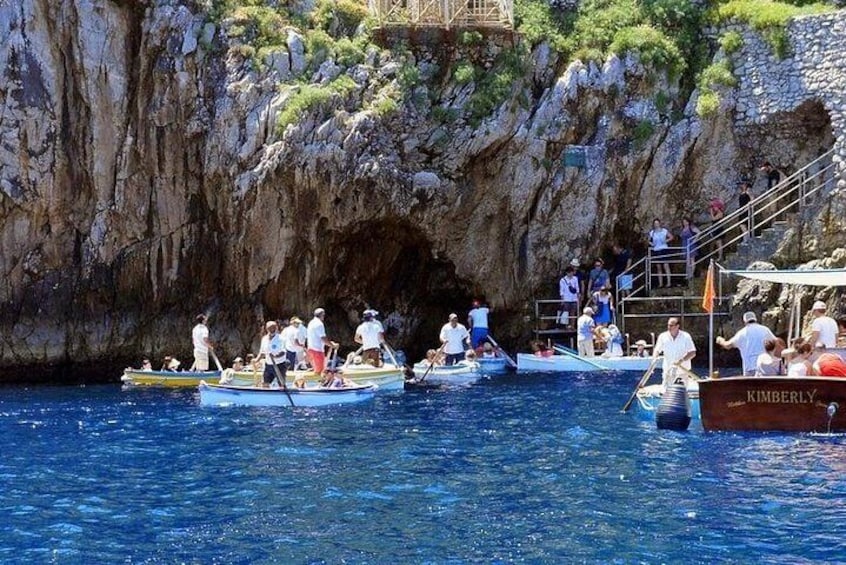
x=462, y=373
x=228, y=395
x=649, y=398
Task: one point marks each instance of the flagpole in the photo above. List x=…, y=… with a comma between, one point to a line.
x=711, y=326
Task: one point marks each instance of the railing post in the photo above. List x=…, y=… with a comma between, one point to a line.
x=649, y=270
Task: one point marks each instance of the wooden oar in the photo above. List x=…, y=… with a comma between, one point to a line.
x=508, y=359
x=216, y=361
x=688, y=372
x=593, y=364
x=432, y=364
x=391, y=353
x=280, y=378
x=640, y=383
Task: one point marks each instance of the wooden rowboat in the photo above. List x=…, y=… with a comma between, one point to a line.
x=388, y=377
x=463, y=372
x=227, y=395
x=138, y=377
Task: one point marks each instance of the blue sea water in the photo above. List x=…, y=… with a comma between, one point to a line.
x=527, y=468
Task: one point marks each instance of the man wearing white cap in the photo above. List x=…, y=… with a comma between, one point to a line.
x=294, y=342
x=454, y=337
x=823, y=328
x=371, y=336
x=677, y=347
x=317, y=342
x=272, y=350
x=585, y=327
x=749, y=340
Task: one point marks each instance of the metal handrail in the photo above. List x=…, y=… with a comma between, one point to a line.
x=799, y=182
x=791, y=194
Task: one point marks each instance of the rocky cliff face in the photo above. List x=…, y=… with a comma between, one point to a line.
x=144, y=180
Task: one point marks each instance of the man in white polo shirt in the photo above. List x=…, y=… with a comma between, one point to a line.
x=823, y=328
x=749, y=340
x=676, y=346
x=454, y=337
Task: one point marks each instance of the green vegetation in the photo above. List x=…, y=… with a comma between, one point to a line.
x=731, y=42
x=309, y=97
x=653, y=47
x=716, y=75
x=464, y=72
x=642, y=132
x=494, y=86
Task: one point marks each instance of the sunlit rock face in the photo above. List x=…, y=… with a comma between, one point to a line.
x=144, y=180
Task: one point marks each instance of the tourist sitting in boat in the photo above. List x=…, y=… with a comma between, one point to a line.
x=170, y=364
x=799, y=366
x=146, y=366
x=830, y=365
x=166, y=363
x=540, y=349
x=770, y=363
x=613, y=340
x=470, y=355
x=237, y=364
x=640, y=350
x=488, y=351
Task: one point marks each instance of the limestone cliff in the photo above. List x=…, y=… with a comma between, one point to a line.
x=145, y=179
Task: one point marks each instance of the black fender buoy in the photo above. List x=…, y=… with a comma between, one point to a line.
x=674, y=410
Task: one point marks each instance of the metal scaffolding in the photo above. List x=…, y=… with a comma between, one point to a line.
x=444, y=13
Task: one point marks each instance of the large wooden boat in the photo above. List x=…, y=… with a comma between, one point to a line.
x=139, y=377
x=784, y=404
x=228, y=395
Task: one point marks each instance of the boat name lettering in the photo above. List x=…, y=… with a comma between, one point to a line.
x=781, y=396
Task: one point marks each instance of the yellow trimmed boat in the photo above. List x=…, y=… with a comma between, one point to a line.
x=139, y=377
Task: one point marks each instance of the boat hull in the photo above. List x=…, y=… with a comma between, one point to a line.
x=783, y=404
x=492, y=365
x=574, y=364
x=459, y=374
x=132, y=377
x=226, y=395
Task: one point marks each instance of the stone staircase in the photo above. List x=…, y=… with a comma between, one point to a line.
x=758, y=247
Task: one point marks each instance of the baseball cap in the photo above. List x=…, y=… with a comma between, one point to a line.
x=749, y=317
x=319, y=311
x=819, y=305
x=453, y=316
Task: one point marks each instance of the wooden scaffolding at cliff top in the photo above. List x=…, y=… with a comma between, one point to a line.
x=444, y=13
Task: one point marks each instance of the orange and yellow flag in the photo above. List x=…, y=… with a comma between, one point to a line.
x=708, y=295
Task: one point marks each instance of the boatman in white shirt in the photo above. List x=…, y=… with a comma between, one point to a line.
x=454, y=337
x=294, y=343
x=272, y=350
x=477, y=321
x=677, y=347
x=750, y=341
x=202, y=345
x=371, y=336
x=317, y=342
x=823, y=328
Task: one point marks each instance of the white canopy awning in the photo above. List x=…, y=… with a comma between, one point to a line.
x=824, y=277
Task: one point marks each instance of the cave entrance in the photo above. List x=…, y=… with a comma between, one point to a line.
x=390, y=266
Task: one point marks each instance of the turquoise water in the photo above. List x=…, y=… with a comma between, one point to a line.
x=533, y=468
